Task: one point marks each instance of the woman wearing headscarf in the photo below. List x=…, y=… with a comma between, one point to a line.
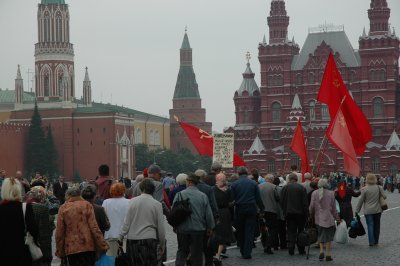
x=223, y=230
x=370, y=198
x=343, y=194
x=37, y=196
x=78, y=236
x=13, y=250
x=323, y=210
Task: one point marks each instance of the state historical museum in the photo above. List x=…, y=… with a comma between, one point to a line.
x=266, y=116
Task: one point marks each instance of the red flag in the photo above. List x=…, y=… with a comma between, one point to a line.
x=340, y=137
x=342, y=190
x=299, y=146
x=331, y=92
x=203, y=142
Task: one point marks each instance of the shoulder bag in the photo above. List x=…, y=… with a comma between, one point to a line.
x=180, y=211
x=382, y=201
x=35, y=251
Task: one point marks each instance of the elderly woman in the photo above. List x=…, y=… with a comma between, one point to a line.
x=13, y=250
x=323, y=210
x=37, y=196
x=116, y=207
x=370, y=198
x=89, y=194
x=78, y=236
x=223, y=230
x=181, y=181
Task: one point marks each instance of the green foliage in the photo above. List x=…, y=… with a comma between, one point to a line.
x=41, y=154
x=182, y=161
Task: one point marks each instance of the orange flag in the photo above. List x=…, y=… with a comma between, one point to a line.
x=331, y=92
x=340, y=137
x=299, y=146
x=203, y=142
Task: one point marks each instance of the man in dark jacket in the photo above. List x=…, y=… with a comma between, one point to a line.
x=103, y=182
x=206, y=189
x=59, y=189
x=295, y=208
x=247, y=197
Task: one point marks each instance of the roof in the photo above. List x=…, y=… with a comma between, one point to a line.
x=57, y=2
x=394, y=142
x=337, y=40
x=296, y=102
x=186, y=85
x=257, y=146
x=8, y=96
x=248, y=83
x=185, y=42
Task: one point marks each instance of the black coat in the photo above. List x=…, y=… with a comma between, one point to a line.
x=59, y=191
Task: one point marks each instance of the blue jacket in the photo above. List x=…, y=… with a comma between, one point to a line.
x=246, y=191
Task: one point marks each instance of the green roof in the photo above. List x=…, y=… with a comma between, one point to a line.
x=186, y=85
x=56, y=2
x=8, y=96
x=185, y=42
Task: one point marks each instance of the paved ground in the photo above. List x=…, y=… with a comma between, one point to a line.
x=356, y=251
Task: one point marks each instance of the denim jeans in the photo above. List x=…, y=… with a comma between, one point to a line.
x=374, y=227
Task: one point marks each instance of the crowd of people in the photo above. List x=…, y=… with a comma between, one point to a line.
x=94, y=218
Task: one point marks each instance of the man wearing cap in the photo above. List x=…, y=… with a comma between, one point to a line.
x=295, y=208
x=216, y=168
x=247, y=197
x=190, y=233
x=154, y=173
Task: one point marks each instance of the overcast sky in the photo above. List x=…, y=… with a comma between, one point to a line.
x=131, y=47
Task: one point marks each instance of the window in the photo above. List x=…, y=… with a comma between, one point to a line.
x=312, y=110
x=311, y=78
x=378, y=107
x=58, y=28
x=324, y=112
x=151, y=140
x=299, y=79
x=376, y=165
x=271, y=166
x=157, y=138
x=246, y=116
x=377, y=131
x=276, y=112
x=377, y=75
x=276, y=135
x=46, y=85
x=46, y=27
x=393, y=169
x=294, y=159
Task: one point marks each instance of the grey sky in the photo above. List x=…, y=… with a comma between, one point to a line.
x=131, y=47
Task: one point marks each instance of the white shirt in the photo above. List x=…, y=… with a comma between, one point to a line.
x=116, y=209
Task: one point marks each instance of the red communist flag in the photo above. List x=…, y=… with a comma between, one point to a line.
x=331, y=92
x=203, y=142
x=299, y=146
x=339, y=136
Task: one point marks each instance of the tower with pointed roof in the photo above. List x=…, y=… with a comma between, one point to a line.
x=186, y=102
x=54, y=54
x=19, y=88
x=87, y=90
x=278, y=22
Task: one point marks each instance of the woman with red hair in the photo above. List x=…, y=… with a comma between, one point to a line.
x=116, y=208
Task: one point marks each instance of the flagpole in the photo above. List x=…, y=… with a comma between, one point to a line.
x=316, y=159
x=324, y=142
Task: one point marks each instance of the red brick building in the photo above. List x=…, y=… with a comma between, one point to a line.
x=186, y=101
x=290, y=77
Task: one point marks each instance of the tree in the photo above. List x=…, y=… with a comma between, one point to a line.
x=35, y=160
x=51, y=156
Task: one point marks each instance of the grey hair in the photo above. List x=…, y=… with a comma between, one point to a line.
x=269, y=178
x=73, y=192
x=181, y=179
x=201, y=173
x=293, y=177
x=139, y=178
x=307, y=176
x=322, y=183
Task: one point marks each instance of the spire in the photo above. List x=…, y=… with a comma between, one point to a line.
x=248, y=83
x=19, y=88
x=278, y=22
x=378, y=15
x=394, y=32
x=87, y=90
x=293, y=40
x=296, y=102
x=186, y=85
x=264, y=41
x=257, y=146
x=394, y=142
x=297, y=111
x=364, y=34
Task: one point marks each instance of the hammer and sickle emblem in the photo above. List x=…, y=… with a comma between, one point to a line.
x=342, y=121
x=336, y=83
x=204, y=134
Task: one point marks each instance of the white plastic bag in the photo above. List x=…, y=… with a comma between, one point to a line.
x=341, y=235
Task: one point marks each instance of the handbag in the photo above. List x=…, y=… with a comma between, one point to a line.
x=308, y=236
x=382, y=201
x=35, y=251
x=180, y=211
x=341, y=235
x=122, y=258
x=105, y=260
x=360, y=228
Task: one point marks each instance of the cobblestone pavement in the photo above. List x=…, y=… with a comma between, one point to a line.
x=356, y=251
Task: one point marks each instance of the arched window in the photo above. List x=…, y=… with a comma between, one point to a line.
x=378, y=107
x=246, y=116
x=393, y=169
x=58, y=28
x=151, y=140
x=157, y=138
x=276, y=112
x=46, y=85
x=324, y=112
x=46, y=27
x=311, y=78
x=312, y=110
x=294, y=159
x=138, y=136
x=376, y=165
x=271, y=166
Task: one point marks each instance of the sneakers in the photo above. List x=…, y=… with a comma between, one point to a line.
x=217, y=261
x=321, y=256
